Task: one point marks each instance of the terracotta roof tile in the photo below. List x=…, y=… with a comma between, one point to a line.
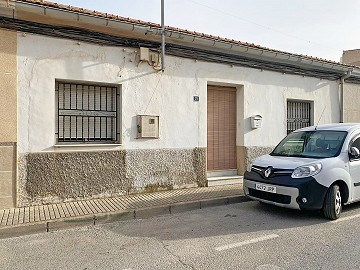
x=169, y=28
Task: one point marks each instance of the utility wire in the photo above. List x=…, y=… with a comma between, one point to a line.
x=260, y=25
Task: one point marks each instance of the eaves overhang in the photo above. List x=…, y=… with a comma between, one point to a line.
x=179, y=38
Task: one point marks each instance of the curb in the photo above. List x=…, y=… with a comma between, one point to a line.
x=105, y=218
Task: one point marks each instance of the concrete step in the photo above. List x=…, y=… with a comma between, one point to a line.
x=211, y=174
x=224, y=180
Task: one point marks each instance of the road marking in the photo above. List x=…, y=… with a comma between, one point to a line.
x=345, y=218
x=247, y=242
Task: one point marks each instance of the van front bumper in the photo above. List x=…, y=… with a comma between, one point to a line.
x=290, y=192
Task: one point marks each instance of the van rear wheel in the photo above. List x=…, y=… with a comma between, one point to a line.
x=332, y=205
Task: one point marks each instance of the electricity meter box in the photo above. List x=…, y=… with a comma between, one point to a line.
x=147, y=126
x=256, y=121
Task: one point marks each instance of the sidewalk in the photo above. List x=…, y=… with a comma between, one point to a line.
x=62, y=215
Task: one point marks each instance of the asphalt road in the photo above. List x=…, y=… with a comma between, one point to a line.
x=247, y=235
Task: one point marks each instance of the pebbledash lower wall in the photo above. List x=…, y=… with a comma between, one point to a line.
x=52, y=177
x=247, y=154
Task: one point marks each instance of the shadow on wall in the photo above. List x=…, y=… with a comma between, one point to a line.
x=131, y=132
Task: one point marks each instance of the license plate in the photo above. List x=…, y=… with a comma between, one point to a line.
x=265, y=188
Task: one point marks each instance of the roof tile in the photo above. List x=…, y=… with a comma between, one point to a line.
x=169, y=28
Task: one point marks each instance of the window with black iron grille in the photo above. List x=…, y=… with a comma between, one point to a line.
x=87, y=113
x=298, y=115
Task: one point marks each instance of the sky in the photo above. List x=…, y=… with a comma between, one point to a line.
x=319, y=28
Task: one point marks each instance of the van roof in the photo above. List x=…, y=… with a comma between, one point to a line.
x=335, y=127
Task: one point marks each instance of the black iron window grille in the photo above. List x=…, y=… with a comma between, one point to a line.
x=87, y=113
x=298, y=115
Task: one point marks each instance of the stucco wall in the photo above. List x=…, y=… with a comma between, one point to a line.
x=183, y=122
x=169, y=94
x=351, y=103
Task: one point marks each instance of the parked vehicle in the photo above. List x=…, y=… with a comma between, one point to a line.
x=314, y=168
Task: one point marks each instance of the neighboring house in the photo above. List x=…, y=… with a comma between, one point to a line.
x=351, y=94
x=85, y=111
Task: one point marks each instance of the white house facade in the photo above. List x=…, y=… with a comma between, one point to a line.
x=87, y=111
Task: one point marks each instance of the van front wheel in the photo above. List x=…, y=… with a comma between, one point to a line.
x=332, y=204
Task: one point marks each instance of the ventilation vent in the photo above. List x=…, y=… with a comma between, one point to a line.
x=147, y=126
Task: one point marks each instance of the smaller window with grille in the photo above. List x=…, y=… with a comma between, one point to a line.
x=298, y=115
x=87, y=113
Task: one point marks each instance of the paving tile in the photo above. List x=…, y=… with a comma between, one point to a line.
x=57, y=210
x=78, y=207
x=127, y=202
x=108, y=205
x=120, y=202
x=26, y=214
x=41, y=213
x=47, y=212
x=84, y=208
x=51, y=212
x=69, y=211
x=130, y=201
x=10, y=217
x=92, y=205
x=102, y=205
x=21, y=215
x=16, y=216
x=2, y=213
x=162, y=198
x=151, y=200
x=134, y=201
x=31, y=214
x=34, y=214
x=113, y=204
x=62, y=211
x=5, y=217
x=37, y=213
x=144, y=200
x=75, y=209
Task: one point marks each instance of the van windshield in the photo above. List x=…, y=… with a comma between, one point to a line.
x=311, y=144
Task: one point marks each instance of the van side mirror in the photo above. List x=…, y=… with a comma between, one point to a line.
x=354, y=152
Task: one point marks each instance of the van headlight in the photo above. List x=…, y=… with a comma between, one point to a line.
x=306, y=170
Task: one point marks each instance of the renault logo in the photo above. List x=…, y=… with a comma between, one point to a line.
x=267, y=172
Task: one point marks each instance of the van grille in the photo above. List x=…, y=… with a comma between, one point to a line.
x=278, y=198
x=275, y=171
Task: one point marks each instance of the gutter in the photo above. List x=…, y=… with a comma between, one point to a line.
x=197, y=40
x=342, y=82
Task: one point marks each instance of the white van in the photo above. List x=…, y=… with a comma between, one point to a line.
x=314, y=168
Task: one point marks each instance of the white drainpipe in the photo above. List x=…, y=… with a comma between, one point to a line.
x=162, y=37
x=342, y=81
